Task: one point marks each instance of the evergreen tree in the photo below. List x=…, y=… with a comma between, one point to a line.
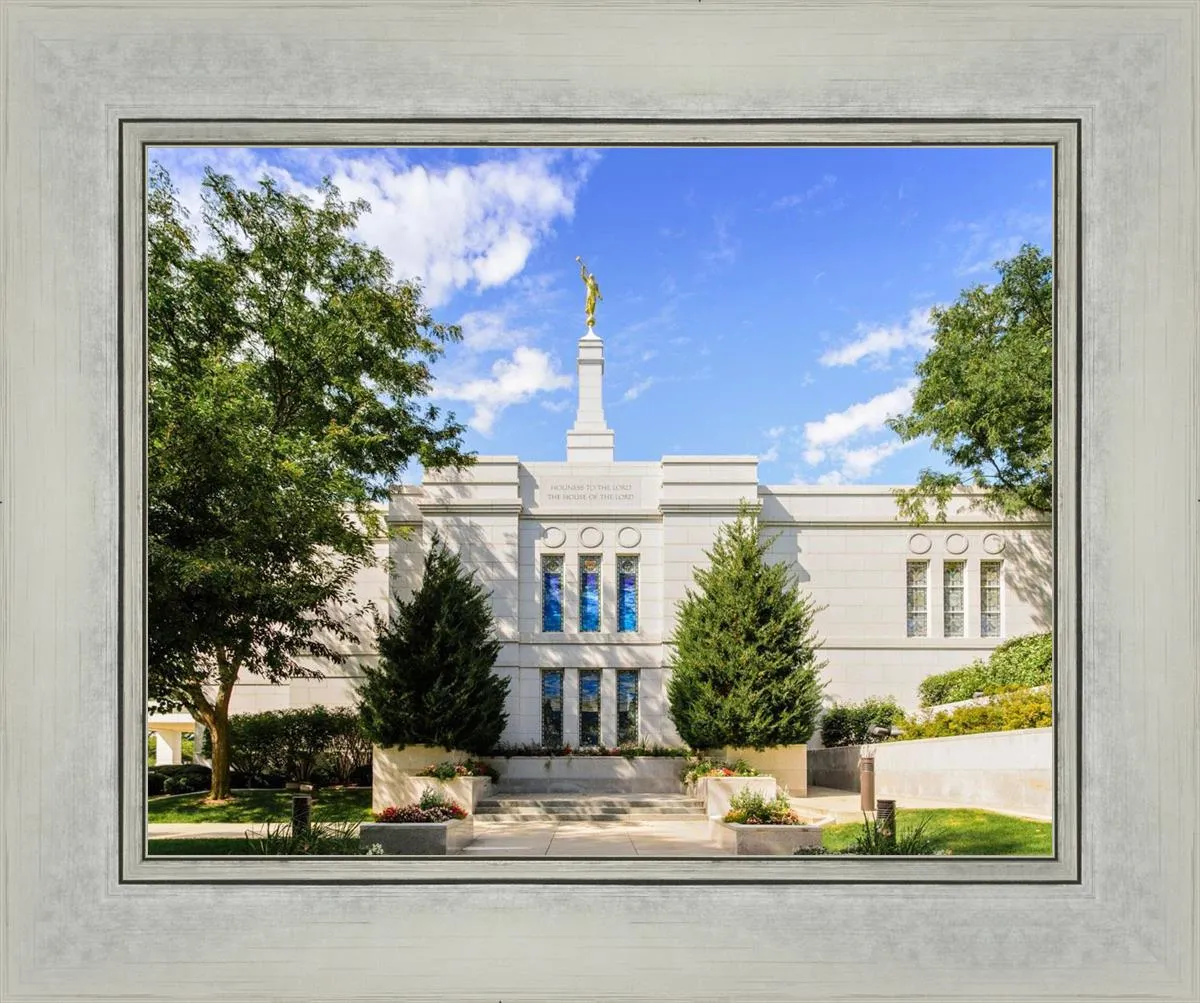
x=434, y=683
x=744, y=666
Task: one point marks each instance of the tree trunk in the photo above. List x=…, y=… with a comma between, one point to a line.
x=219, y=728
x=221, y=744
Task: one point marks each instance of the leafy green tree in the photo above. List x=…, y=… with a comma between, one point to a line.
x=853, y=724
x=744, y=665
x=287, y=374
x=434, y=683
x=985, y=395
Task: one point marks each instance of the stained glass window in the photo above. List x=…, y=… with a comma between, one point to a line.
x=589, y=707
x=953, y=609
x=918, y=598
x=627, y=707
x=589, y=592
x=627, y=593
x=989, y=598
x=552, y=598
x=552, y=707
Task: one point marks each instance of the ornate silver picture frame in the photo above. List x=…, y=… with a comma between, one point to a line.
x=87, y=915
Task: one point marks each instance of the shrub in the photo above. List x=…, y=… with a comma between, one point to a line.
x=178, y=778
x=302, y=735
x=434, y=683
x=751, y=808
x=348, y=751
x=254, y=754
x=913, y=841
x=851, y=724
x=744, y=665
x=1006, y=712
x=470, y=768
x=701, y=767
x=1020, y=662
x=308, y=744
x=333, y=838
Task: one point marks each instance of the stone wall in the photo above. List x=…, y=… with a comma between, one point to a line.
x=1009, y=771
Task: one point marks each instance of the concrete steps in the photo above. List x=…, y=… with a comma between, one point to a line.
x=588, y=808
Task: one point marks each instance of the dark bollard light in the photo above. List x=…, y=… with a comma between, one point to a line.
x=301, y=811
x=866, y=782
x=885, y=817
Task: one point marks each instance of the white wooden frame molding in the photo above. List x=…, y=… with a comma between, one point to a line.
x=86, y=85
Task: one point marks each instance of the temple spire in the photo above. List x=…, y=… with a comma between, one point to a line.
x=590, y=440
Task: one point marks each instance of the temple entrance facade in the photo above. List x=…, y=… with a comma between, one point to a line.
x=587, y=558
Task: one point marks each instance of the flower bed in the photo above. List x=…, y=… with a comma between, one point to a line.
x=701, y=768
x=435, y=825
x=415, y=813
x=448, y=770
x=756, y=825
x=508, y=751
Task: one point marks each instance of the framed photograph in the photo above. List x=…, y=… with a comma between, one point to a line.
x=653, y=500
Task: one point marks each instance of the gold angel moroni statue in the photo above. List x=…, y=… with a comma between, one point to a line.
x=593, y=292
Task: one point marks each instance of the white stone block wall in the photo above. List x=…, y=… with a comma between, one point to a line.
x=844, y=545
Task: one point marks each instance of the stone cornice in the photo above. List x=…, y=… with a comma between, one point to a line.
x=703, y=508
x=940, y=527
x=577, y=515
x=469, y=506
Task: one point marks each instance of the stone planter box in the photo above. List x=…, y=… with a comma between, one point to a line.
x=588, y=774
x=392, y=772
x=717, y=792
x=788, y=764
x=418, y=838
x=763, y=840
x=404, y=789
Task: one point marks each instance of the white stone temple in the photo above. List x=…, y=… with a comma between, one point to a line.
x=586, y=559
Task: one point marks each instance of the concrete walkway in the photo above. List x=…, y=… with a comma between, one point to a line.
x=202, y=830
x=637, y=838
x=654, y=838
x=640, y=837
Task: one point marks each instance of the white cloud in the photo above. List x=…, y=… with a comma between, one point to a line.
x=791, y=201
x=833, y=477
x=776, y=432
x=638, y=389
x=487, y=330
x=997, y=237
x=450, y=226
x=858, y=464
x=726, y=250
x=814, y=456
x=867, y=416
x=771, y=455
x=878, y=343
x=528, y=373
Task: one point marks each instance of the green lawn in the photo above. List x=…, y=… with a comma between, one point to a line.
x=341, y=804
x=965, y=831
x=201, y=847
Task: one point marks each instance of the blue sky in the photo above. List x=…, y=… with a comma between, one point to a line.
x=766, y=301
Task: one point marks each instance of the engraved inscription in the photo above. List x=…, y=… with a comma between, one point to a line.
x=588, y=492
